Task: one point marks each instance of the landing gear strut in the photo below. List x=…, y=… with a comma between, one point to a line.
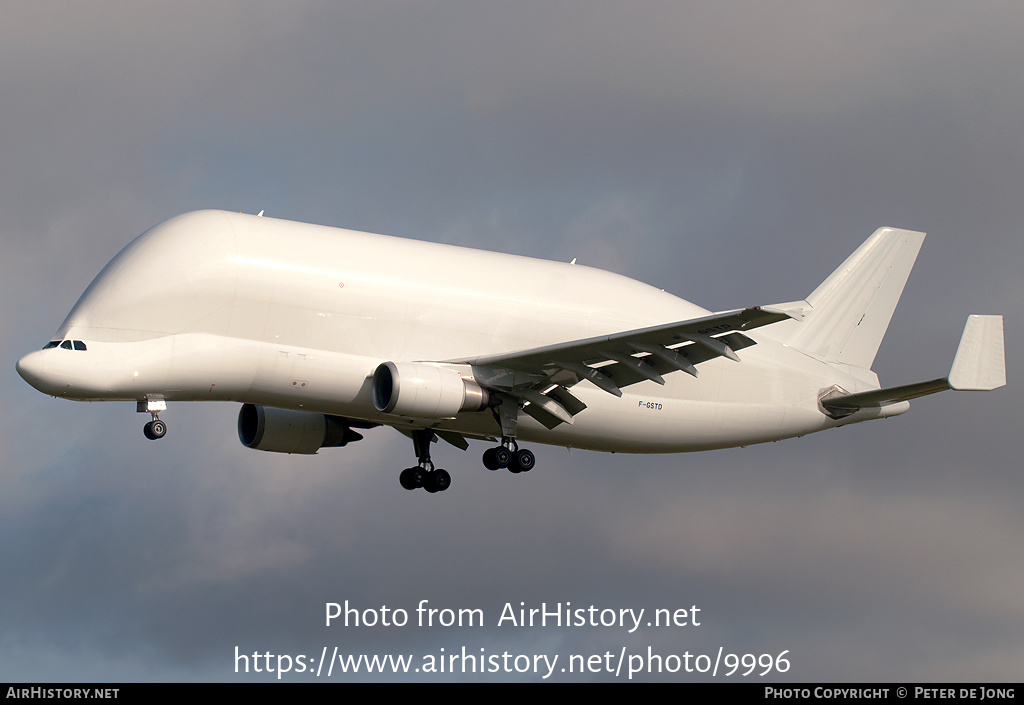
x=508, y=454
x=424, y=474
x=156, y=428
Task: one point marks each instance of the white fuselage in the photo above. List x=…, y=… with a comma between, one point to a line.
x=223, y=306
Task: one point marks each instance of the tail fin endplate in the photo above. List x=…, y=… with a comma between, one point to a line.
x=979, y=365
x=980, y=362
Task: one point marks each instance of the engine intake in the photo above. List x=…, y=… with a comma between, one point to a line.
x=425, y=391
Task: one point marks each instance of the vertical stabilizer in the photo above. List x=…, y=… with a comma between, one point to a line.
x=850, y=311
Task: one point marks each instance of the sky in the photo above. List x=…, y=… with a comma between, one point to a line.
x=730, y=153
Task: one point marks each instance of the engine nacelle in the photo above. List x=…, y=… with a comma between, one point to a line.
x=286, y=431
x=424, y=391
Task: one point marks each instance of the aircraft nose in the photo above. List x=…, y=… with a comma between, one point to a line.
x=30, y=368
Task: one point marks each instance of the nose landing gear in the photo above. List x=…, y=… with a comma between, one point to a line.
x=155, y=429
x=153, y=404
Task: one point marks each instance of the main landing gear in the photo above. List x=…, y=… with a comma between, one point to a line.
x=509, y=455
x=424, y=474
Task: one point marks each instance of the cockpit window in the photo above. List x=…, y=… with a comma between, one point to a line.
x=66, y=345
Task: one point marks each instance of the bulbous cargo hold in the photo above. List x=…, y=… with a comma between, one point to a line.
x=425, y=391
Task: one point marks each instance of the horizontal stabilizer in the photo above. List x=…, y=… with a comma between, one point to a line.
x=979, y=365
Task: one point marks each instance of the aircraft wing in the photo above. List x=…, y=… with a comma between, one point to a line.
x=539, y=378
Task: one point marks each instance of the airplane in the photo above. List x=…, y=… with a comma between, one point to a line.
x=320, y=331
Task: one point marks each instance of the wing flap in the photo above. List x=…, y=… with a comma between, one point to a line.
x=539, y=379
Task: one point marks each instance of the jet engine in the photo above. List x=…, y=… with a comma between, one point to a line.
x=287, y=431
x=421, y=390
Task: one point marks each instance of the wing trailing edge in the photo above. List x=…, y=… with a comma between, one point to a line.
x=539, y=379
